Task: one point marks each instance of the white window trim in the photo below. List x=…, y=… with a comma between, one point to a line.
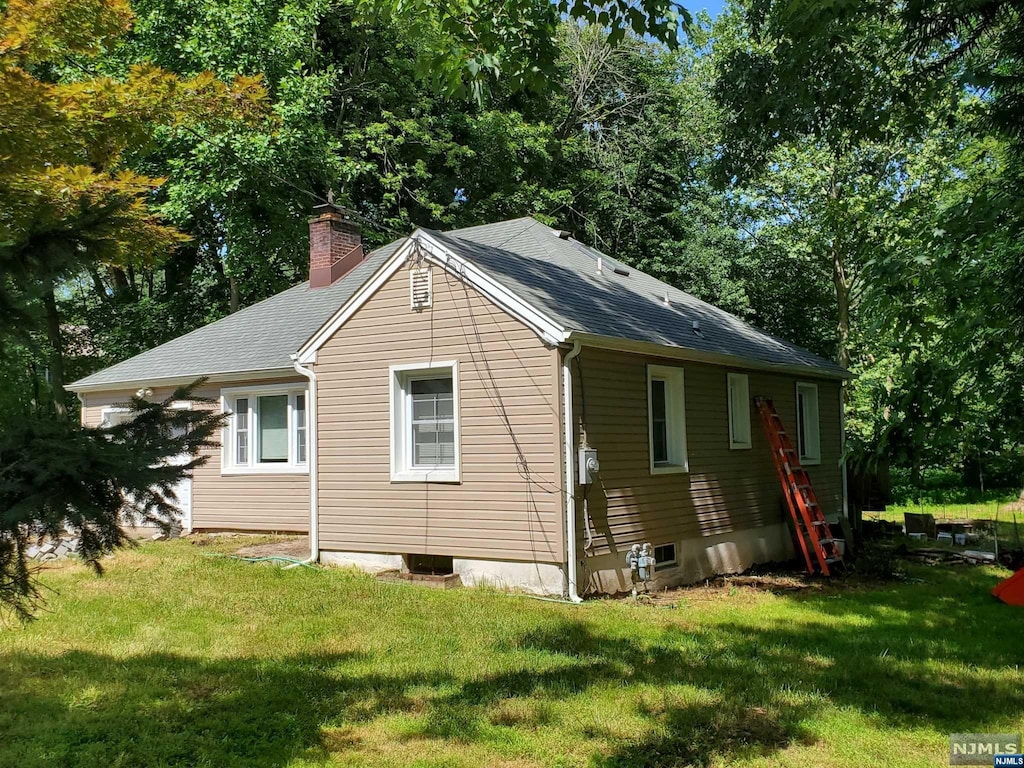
x=110, y=409
x=743, y=380
x=675, y=413
x=228, y=465
x=813, y=459
x=401, y=472
x=673, y=563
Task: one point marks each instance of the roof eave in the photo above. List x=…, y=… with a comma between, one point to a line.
x=172, y=381
x=700, y=356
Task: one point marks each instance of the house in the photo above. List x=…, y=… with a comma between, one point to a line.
x=431, y=405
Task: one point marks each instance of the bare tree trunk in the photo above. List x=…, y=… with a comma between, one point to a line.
x=841, y=280
x=56, y=341
x=842, y=285
x=915, y=465
x=179, y=268
x=122, y=285
x=235, y=298
x=99, y=285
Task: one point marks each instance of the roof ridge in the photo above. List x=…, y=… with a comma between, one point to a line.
x=491, y=225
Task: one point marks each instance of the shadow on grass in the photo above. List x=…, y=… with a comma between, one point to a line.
x=908, y=656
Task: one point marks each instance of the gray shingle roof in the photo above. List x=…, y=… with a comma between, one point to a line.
x=260, y=337
x=558, y=276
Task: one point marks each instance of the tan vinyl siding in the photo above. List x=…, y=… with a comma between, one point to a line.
x=726, y=489
x=506, y=506
x=228, y=502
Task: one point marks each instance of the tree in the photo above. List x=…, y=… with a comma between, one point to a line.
x=56, y=476
x=355, y=117
x=898, y=118
x=69, y=203
x=638, y=118
x=814, y=122
x=68, y=198
x=470, y=45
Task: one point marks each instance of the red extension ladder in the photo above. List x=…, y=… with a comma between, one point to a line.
x=820, y=550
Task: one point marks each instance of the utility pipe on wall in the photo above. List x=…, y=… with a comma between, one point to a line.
x=572, y=564
x=311, y=457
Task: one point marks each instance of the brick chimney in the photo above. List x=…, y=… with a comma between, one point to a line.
x=335, y=245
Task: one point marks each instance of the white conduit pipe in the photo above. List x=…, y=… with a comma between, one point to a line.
x=311, y=457
x=572, y=563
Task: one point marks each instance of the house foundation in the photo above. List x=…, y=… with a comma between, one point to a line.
x=535, y=578
x=697, y=559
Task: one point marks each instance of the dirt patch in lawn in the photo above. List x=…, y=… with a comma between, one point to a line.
x=724, y=587
x=292, y=546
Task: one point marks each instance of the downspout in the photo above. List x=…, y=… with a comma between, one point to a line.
x=572, y=565
x=311, y=457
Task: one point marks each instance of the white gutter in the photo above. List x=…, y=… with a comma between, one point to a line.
x=311, y=457
x=698, y=356
x=572, y=565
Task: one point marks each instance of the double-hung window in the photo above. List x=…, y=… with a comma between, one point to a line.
x=266, y=430
x=116, y=415
x=808, y=434
x=738, y=386
x=425, y=422
x=666, y=415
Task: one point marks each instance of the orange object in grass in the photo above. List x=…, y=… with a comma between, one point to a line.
x=1011, y=590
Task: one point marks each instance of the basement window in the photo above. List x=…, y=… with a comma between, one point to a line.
x=808, y=432
x=666, y=415
x=266, y=430
x=425, y=423
x=665, y=557
x=432, y=565
x=739, y=410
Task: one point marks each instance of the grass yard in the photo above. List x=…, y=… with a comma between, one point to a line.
x=173, y=658
x=1008, y=517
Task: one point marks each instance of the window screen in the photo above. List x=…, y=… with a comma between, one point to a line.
x=659, y=419
x=432, y=422
x=242, y=430
x=300, y=429
x=273, y=429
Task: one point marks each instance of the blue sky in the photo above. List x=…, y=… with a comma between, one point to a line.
x=713, y=7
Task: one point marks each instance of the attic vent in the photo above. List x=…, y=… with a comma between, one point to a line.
x=621, y=271
x=421, y=292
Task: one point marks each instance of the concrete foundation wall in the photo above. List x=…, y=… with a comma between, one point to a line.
x=364, y=561
x=536, y=578
x=698, y=559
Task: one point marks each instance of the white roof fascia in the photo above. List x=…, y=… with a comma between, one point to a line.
x=697, y=356
x=421, y=244
x=173, y=381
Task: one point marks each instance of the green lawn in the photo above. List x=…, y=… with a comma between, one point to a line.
x=1001, y=511
x=173, y=658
